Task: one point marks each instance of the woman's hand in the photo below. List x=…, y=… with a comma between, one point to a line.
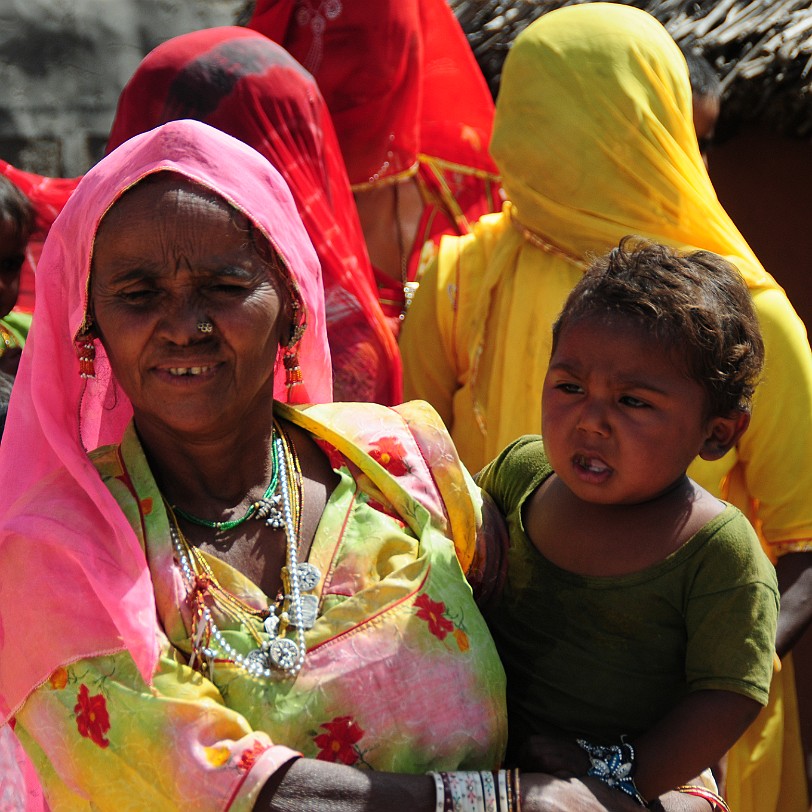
x=546, y=793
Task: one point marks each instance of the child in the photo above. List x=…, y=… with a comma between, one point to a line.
x=16, y=226
x=638, y=618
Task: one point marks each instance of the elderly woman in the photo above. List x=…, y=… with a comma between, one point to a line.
x=595, y=140
x=201, y=583
x=247, y=86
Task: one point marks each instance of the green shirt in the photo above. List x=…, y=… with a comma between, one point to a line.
x=605, y=656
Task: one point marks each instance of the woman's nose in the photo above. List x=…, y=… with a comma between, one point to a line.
x=180, y=319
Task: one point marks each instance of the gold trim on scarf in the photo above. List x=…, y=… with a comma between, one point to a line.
x=542, y=243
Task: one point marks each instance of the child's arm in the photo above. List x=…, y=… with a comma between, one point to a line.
x=694, y=735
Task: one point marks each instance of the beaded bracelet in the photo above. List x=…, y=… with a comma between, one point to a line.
x=716, y=801
x=613, y=764
x=477, y=791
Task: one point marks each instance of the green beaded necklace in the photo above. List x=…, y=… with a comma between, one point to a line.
x=266, y=499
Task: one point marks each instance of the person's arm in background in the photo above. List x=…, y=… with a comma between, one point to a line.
x=776, y=457
x=776, y=453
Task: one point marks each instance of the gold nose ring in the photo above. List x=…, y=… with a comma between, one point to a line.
x=205, y=326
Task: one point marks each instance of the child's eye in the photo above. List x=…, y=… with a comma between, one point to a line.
x=569, y=388
x=633, y=402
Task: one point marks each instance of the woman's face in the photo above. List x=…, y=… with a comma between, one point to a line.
x=170, y=255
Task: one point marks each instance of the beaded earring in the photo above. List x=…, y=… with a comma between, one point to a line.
x=290, y=353
x=85, y=347
x=293, y=372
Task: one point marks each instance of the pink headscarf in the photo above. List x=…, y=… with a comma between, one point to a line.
x=74, y=580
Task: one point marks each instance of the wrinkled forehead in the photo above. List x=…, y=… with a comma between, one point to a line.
x=166, y=208
x=164, y=189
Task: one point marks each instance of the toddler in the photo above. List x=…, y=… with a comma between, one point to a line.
x=638, y=617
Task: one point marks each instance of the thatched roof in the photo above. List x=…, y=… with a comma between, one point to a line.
x=762, y=50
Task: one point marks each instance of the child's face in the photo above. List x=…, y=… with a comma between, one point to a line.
x=12, y=254
x=621, y=419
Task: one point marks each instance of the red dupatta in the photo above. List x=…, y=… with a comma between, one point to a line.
x=241, y=83
x=407, y=98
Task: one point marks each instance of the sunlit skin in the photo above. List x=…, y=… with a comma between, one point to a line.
x=621, y=421
x=168, y=256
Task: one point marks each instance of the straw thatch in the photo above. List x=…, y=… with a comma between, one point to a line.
x=762, y=50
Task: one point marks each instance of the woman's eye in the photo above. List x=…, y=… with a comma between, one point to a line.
x=137, y=296
x=226, y=287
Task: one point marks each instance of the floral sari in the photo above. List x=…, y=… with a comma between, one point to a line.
x=398, y=641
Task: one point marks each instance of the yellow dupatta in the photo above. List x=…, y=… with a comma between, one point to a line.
x=594, y=139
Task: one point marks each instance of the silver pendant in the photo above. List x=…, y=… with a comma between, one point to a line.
x=270, y=511
x=283, y=653
x=309, y=576
x=255, y=658
x=310, y=611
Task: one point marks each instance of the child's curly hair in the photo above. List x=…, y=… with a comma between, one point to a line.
x=695, y=305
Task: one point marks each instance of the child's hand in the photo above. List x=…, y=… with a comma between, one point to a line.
x=553, y=754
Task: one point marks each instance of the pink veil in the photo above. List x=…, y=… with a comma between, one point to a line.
x=74, y=578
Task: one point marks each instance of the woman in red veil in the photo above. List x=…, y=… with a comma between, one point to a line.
x=413, y=116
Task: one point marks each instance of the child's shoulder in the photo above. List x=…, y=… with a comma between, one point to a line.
x=524, y=456
x=516, y=472
x=730, y=539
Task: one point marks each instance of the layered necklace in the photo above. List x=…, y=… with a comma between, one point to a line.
x=275, y=654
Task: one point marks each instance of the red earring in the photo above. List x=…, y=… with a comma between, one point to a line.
x=293, y=372
x=86, y=353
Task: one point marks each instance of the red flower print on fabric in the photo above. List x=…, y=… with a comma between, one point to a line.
x=389, y=453
x=387, y=510
x=433, y=612
x=338, y=743
x=249, y=757
x=92, y=718
x=336, y=458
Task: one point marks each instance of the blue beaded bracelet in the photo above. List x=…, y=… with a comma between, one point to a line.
x=614, y=765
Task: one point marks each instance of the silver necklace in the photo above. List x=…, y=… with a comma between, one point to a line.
x=276, y=655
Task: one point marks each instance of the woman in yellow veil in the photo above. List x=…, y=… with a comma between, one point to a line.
x=594, y=139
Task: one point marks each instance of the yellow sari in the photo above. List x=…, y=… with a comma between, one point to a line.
x=594, y=139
